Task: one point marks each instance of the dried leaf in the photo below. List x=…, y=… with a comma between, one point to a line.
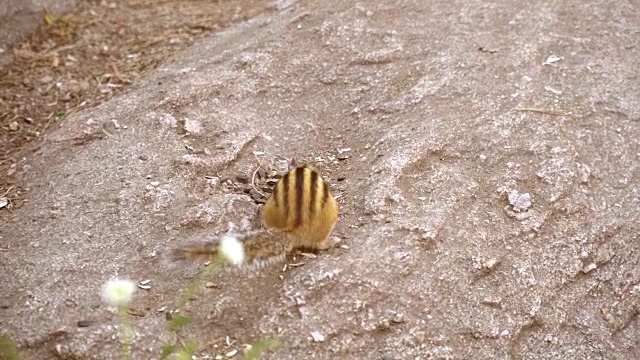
x=48, y=18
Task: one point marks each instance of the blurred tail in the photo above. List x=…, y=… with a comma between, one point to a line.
x=263, y=246
x=202, y=252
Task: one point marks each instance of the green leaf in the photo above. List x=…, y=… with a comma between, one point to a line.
x=166, y=351
x=183, y=355
x=191, y=346
x=8, y=349
x=179, y=321
x=60, y=115
x=187, y=351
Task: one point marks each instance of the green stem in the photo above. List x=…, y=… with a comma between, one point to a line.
x=216, y=263
x=127, y=331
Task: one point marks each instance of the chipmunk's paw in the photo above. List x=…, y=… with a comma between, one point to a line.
x=329, y=243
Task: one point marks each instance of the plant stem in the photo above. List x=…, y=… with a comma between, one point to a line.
x=127, y=331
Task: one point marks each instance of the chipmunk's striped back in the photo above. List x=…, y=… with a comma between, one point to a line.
x=302, y=203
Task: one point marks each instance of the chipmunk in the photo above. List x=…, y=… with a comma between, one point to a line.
x=300, y=214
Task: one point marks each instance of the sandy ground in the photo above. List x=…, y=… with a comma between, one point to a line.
x=79, y=60
x=485, y=156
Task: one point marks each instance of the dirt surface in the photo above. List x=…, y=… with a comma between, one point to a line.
x=19, y=18
x=489, y=195
x=81, y=59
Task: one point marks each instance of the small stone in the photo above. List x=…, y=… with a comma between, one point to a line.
x=213, y=181
x=585, y=172
x=483, y=265
x=192, y=126
x=589, y=268
x=520, y=202
x=398, y=318
x=231, y=353
x=492, y=302
x=549, y=338
x=384, y=324
x=317, y=336
x=551, y=59
x=13, y=126
x=256, y=196
x=552, y=90
x=242, y=179
x=85, y=323
x=490, y=263
x=109, y=127
x=143, y=157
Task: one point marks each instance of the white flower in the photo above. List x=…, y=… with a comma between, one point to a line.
x=118, y=292
x=232, y=250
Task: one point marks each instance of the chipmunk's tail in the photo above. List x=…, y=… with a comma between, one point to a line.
x=262, y=246
x=204, y=251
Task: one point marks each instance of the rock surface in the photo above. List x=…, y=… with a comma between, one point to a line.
x=449, y=108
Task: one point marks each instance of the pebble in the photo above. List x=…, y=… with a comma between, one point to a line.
x=317, y=336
